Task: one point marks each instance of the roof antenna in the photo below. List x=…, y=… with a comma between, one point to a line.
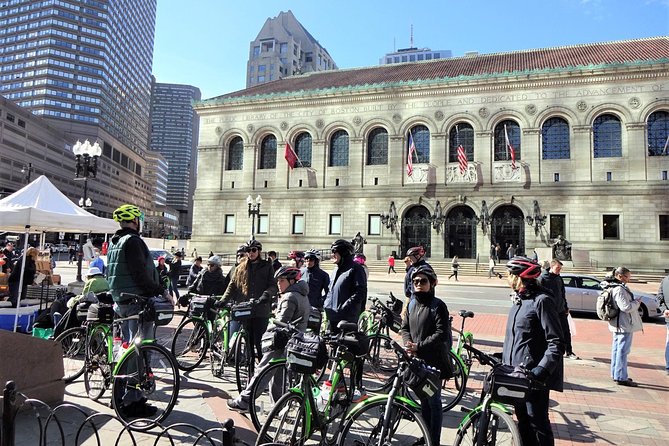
x=394, y=45
x=411, y=42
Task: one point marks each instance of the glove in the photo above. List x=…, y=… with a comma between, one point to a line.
x=539, y=374
x=219, y=304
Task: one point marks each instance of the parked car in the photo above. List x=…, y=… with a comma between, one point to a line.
x=185, y=264
x=582, y=291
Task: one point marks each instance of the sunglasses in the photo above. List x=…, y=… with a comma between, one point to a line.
x=252, y=250
x=421, y=281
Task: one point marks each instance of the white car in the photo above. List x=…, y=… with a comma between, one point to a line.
x=582, y=291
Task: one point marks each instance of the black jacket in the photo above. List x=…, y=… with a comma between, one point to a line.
x=261, y=283
x=209, y=283
x=534, y=337
x=175, y=268
x=554, y=284
x=319, y=285
x=427, y=323
x=348, y=291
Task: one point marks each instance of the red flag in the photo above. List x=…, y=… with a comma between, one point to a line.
x=290, y=156
x=462, y=159
x=509, y=149
x=412, y=150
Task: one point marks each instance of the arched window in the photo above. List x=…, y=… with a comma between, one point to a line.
x=339, y=148
x=461, y=134
x=236, y=154
x=268, y=153
x=607, y=140
x=658, y=133
x=421, y=139
x=555, y=139
x=303, y=149
x=377, y=147
x=502, y=149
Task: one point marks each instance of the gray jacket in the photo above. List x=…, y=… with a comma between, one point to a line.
x=663, y=295
x=628, y=319
x=294, y=304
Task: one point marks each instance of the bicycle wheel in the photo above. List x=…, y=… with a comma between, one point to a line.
x=244, y=360
x=270, y=385
x=97, y=375
x=217, y=354
x=454, y=388
x=502, y=431
x=190, y=344
x=286, y=422
x=379, y=364
x=363, y=427
x=150, y=395
x=364, y=321
x=73, y=343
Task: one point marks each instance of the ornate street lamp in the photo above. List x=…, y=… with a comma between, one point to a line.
x=537, y=220
x=389, y=219
x=254, y=210
x=86, y=155
x=438, y=218
x=27, y=171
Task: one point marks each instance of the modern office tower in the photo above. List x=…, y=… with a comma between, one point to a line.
x=414, y=55
x=174, y=133
x=283, y=48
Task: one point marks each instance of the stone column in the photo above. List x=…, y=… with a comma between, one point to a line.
x=531, y=155
x=634, y=149
x=249, y=166
x=318, y=161
x=396, y=159
x=355, y=163
x=438, y=156
x=581, y=153
x=483, y=155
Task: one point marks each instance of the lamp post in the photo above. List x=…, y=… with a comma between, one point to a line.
x=254, y=210
x=27, y=171
x=537, y=220
x=86, y=155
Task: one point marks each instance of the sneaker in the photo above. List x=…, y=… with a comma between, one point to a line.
x=571, y=355
x=359, y=395
x=238, y=404
x=628, y=383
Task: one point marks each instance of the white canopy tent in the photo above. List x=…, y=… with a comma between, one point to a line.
x=41, y=207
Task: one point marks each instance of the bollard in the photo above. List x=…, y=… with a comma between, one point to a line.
x=9, y=397
x=228, y=432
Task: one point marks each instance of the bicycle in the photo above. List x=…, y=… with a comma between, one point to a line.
x=207, y=330
x=390, y=418
x=297, y=415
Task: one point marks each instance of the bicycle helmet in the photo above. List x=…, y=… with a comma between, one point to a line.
x=241, y=249
x=296, y=255
x=359, y=258
x=416, y=251
x=426, y=271
x=126, y=212
x=523, y=267
x=312, y=254
x=288, y=272
x=342, y=247
x=214, y=260
x=253, y=243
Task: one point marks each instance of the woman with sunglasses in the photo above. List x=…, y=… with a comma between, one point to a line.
x=253, y=278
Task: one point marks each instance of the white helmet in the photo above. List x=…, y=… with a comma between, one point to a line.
x=215, y=260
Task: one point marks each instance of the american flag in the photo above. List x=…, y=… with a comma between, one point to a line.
x=509, y=149
x=462, y=159
x=412, y=150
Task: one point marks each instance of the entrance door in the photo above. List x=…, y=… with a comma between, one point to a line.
x=461, y=233
x=416, y=229
x=508, y=227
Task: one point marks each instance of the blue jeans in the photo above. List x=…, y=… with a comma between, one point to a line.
x=666, y=348
x=175, y=287
x=432, y=415
x=533, y=422
x=622, y=344
x=129, y=328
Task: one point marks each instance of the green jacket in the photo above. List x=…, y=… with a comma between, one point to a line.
x=97, y=284
x=130, y=267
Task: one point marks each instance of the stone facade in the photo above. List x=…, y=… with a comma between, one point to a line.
x=582, y=192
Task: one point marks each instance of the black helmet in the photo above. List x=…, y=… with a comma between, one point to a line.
x=253, y=243
x=416, y=251
x=288, y=272
x=342, y=247
x=523, y=267
x=426, y=271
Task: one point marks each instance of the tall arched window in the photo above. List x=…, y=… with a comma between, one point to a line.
x=268, y=153
x=607, y=139
x=421, y=139
x=658, y=133
x=555, y=139
x=502, y=150
x=377, y=147
x=461, y=134
x=236, y=154
x=303, y=149
x=339, y=148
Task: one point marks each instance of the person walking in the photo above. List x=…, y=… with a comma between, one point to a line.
x=175, y=271
x=662, y=296
x=491, y=267
x=624, y=325
x=391, y=264
x=72, y=252
x=454, y=268
x=534, y=340
x=510, y=251
x=317, y=279
x=551, y=280
x=498, y=252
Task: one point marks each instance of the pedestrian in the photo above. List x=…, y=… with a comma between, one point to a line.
x=275, y=262
x=510, y=251
x=662, y=295
x=194, y=254
x=175, y=271
x=426, y=334
x=454, y=268
x=416, y=255
x=551, y=280
x=194, y=270
x=534, y=340
x=317, y=279
x=72, y=253
x=491, y=268
x=498, y=252
x=624, y=325
x=14, y=279
x=210, y=281
x=293, y=307
x=391, y=264
x=89, y=251
x=164, y=273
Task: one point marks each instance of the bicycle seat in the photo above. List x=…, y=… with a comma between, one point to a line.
x=466, y=313
x=347, y=326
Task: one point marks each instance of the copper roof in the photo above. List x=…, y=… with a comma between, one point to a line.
x=591, y=55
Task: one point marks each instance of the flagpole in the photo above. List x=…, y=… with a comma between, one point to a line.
x=666, y=144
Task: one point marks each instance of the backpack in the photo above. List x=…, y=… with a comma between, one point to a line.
x=606, y=304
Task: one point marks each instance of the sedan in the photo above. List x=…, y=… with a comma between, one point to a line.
x=582, y=292
x=185, y=264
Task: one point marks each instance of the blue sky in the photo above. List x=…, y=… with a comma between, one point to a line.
x=205, y=43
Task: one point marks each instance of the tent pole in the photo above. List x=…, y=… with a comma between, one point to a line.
x=23, y=269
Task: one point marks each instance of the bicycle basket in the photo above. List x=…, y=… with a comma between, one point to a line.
x=357, y=343
x=100, y=313
x=422, y=379
x=200, y=306
x=507, y=384
x=315, y=320
x=242, y=311
x=82, y=310
x=274, y=339
x=163, y=310
x=306, y=353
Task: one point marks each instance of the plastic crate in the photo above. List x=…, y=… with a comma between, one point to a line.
x=26, y=318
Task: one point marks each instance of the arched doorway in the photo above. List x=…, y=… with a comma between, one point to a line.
x=416, y=229
x=460, y=233
x=508, y=227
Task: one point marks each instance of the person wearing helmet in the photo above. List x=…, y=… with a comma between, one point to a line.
x=426, y=333
x=292, y=307
x=415, y=254
x=253, y=278
x=317, y=279
x=534, y=340
x=210, y=282
x=348, y=288
x=297, y=257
